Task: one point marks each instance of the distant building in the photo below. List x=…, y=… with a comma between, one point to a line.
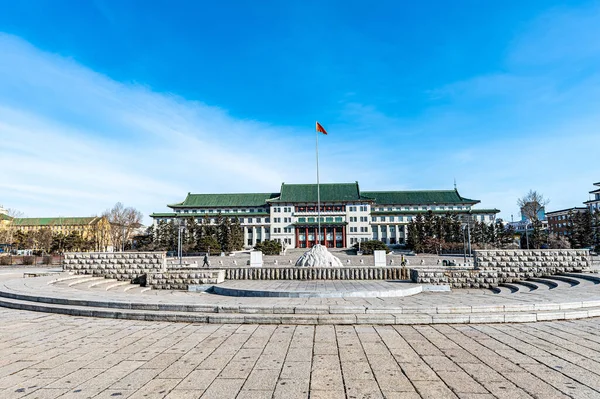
x=93, y=227
x=594, y=204
x=558, y=221
x=348, y=215
x=541, y=214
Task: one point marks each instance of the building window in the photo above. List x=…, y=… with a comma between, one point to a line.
x=382, y=218
x=363, y=208
x=373, y=219
x=301, y=220
x=391, y=218
x=249, y=220
x=338, y=218
x=258, y=220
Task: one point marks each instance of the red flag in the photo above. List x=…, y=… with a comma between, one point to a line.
x=321, y=128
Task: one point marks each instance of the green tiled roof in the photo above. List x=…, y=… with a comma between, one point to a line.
x=329, y=192
x=66, y=221
x=201, y=215
x=418, y=197
x=224, y=200
x=5, y=217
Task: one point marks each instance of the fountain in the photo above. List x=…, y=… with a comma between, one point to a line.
x=318, y=256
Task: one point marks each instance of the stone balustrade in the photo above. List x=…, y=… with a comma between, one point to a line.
x=317, y=273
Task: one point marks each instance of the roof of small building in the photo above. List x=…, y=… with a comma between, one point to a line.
x=59, y=221
x=224, y=200
x=5, y=217
x=418, y=197
x=574, y=209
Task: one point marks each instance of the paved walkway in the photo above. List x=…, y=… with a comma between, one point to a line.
x=55, y=356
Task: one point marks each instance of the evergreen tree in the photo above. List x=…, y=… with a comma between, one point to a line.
x=237, y=235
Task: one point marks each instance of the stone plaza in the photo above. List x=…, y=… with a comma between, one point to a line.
x=55, y=356
x=98, y=329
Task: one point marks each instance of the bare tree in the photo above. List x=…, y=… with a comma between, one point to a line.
x=8, y=227
x=123, y=222
x=531, y=204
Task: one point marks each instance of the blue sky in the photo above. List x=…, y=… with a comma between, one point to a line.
x=142, y=102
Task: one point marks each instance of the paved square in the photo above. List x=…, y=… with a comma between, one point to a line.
x=53, y=356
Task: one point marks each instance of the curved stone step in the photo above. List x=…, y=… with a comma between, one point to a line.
x=565, y=279
x=261, y=318
x=86, y=279
x=136, y=289
x=526, y=286
x=543, y=284
x=512, y=287
x=100, y=284
x=549, y=283
x=116, y=285
x=501, y=290
x=594, y=278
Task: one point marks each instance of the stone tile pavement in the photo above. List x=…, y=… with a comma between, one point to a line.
x=55, y=356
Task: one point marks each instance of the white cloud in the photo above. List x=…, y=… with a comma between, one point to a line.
x=74, y=142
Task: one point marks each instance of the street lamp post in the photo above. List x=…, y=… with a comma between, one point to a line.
x=464, y=246
x=180, y=226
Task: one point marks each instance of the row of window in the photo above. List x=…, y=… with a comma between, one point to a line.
x=249, y=210
x=357, y=229
x=285, y=220
x=362, y=208
x=323, y=219
x=285, y=229
x=357, y=218
x=285, y=209
x=423, y=208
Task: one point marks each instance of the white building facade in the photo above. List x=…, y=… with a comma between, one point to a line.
x=347, y=214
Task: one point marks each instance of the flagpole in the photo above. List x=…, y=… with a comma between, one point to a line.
x=318, y=194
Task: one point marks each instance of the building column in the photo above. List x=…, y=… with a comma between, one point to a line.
x=344, y=244
x=297, y=233
x=245, y=229
x=387, y=233
x=325, y=236
x=253, y=236
x=306, y=237
x=334, y=238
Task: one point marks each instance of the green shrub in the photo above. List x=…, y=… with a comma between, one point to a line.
x=28, y=260
x=368, y=247
x=47, y=260
x=269, y=247
x=6, y=260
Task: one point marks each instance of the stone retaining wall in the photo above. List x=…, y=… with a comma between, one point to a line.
x=182, y=279
x=520, y=264
x=456, y=278
x=493, y=267
x=317, y=273
x=118, y=265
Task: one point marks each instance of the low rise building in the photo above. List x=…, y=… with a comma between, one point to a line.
x=558, y=221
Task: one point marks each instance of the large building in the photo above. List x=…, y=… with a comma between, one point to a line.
x=348, y=215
